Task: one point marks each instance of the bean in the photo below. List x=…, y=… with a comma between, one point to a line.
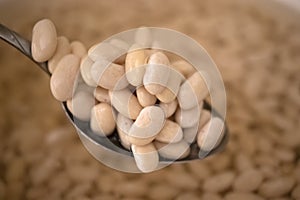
x=162, y=191
x=63, y=48
x=192, y=91
x=63, y=79
x=248, y=181
x=44, y=40
x=172, y=87
x=173, y=151
x=169, y=108
x=125, y=103
x=123, y=126
x=102, y=95
x=205, y=116
x=276, y=187
x=148, y=123
x=219, y=182
x=190, y=134
x=170, y=133
x=78, y=49
x=102, y=119
x=85, y=70
x=146, y=157
x=157, y=73
x=132, y=188
x=135, y=65
x=200, y=170
x=244, y=196
x=82, y=103
x=104, y=51
x=144, y=97
x=110, y=76
x=189, y=195
x=188, y=118
x=210, y=136
x=185, y=68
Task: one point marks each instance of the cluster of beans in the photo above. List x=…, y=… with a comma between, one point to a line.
x=155, y=103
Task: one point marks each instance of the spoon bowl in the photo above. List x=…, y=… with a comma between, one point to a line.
x=108, y=150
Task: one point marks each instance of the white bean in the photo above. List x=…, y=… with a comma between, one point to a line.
x=188, y=118
x=170, y=133
x=169, y=108
x=173, y=151
x=85, y=70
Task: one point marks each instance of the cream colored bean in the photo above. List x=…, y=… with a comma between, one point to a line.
x=219, y=182
x=211, y=134
x=144, y=97
x=157, y=73
x=123, y=126
x=172, y=87
x=63, y=79
x=110, y=76
x=190, y=134
x=135, y=65
x=63, y=48
x=102, y=95
x=276, y=187
x=82, y=104
x=102, y=119
x=192, y=91
x=85, y=70
x=44, y=40
x=105, y=51
x=185, y=68
x=78, y=49
x=170, y=133
x=248, y=181
x=173, y=151
x=188, y=118
x=162, y=191
x=169, y=108
x=210, y=196
x=149, y=123
x=146, y=157
x=243, y=196
x=125, y=103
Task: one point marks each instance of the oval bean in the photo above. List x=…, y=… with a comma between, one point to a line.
x=169, y=108
x=157, y=73
x=102, y=95
x=170, y=133
x=148, y=123
x=185, y=68
x=102, y=119
x=146, y=157
x=63, y=48
x=192, y=91
x=78, y=49
x=188, y=118
x=173, y=151
x=44, y=40
x=63, y=79
x=125, y=103
x=144, y=97
x=85, y=70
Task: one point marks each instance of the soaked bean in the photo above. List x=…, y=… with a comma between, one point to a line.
x=78, y=49
x=63, y=48
x=219, y=182
x=123, y=126
x=102, y=119
x=192, y=91
x=85, y=70
x=102, y=95
x=146, y=157
x=110, y=76
x=248, y=181
x=157, y=73
x=135, y=65
x=276, y=187
x=44, y=40
x=149, y=123
x=188, y=118
x=125, y=103
x=63, y=79
x=170, y=133
x=173, y=151
x=169, y=108
x=185, y=68
x=144, y=97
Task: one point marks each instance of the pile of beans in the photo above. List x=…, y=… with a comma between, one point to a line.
x=154, y=101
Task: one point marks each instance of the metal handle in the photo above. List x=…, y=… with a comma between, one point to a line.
x=21, y=44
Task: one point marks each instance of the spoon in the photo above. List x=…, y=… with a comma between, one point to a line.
x=106, y=148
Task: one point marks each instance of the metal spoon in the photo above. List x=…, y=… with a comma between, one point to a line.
x=103, y=147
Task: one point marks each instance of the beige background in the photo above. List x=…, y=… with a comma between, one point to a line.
x=257, y=53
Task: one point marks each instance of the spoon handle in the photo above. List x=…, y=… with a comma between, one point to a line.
x=21, y=44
